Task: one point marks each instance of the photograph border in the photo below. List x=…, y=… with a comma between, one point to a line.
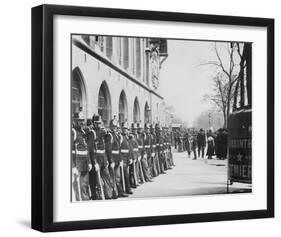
x=43, y=105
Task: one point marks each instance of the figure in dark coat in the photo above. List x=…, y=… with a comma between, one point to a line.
x=211, y=147
x=194, y=146
x=224, y=137
x=187, y=144
x=219, y=144
x=201, y=141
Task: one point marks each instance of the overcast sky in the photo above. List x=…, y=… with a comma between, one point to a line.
x=183, y=84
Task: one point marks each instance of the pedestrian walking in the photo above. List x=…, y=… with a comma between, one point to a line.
x=201, y=141
x=224, y=138
x=194, y=146
x=211, y=147
x=219, y=144
x=187, y=144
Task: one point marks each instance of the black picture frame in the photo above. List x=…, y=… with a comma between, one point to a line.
x=42, y=116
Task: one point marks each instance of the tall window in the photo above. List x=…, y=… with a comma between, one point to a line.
x=126, y=52
x=99, y=42
x=146, y=113
x=123, y=109
x=77, y=99
x=104, y=104
x=109, y=47
x=119, y=59
x=136, y=110
x=147, y=75
x=138, y=57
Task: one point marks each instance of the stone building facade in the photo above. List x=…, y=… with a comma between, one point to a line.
x=118, y=76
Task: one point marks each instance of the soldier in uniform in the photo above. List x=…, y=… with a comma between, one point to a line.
x=141, y=137
x=165, y=149
x=147, y=146
x=116, y=157
x=133, y=150
x=126, y=158
x=108, y=138
x=102, y=181
x=153, y=151
x=76, y=195
x=169, y=146
x=90, y=137
x=160, y=148
x=137, y=165
x=81, y=160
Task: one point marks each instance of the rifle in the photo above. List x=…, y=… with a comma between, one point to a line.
x=158, y=164
x=166, y=159
x=100, y=183
x=98, y=171
x=77, y=179
x=135, y=173
x=122, y=176
x=140, y=166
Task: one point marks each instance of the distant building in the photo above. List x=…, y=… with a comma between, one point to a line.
x=118, y=76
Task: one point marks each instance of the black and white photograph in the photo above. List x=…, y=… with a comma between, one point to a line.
x=144, y=118
x=159, y=117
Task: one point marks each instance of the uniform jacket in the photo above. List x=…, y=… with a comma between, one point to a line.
x=116, y=139
x=153, y=142
x=133, y=146
x=125, y=149
x=90, y=136
x=147, y=142
x=99, y=154
x=108, y=139
x=201, y=139
x=82, y=158
x=140, y=139
x=159, y=141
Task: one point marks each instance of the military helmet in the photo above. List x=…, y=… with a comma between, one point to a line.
x=158, y=127
x=139, y=125
x=152, y=126
x=133, y=126
x=89, y=122
x=113, y=123
x=78, y=116
x=96, y=119
x=125, y=125
x=146, y=126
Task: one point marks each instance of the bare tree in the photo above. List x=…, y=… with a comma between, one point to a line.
x=229, y=64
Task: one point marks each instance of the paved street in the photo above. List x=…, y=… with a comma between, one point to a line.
x=190, y=177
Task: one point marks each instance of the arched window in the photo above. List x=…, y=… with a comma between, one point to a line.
x=136, y=110
x=123, y=108
x=109, y=47
x=104, y=104
x=146, y=113
x=77, y=104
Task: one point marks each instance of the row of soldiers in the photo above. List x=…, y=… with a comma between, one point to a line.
x=108, y=163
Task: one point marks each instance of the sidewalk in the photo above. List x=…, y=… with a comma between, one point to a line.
x=190, y=177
